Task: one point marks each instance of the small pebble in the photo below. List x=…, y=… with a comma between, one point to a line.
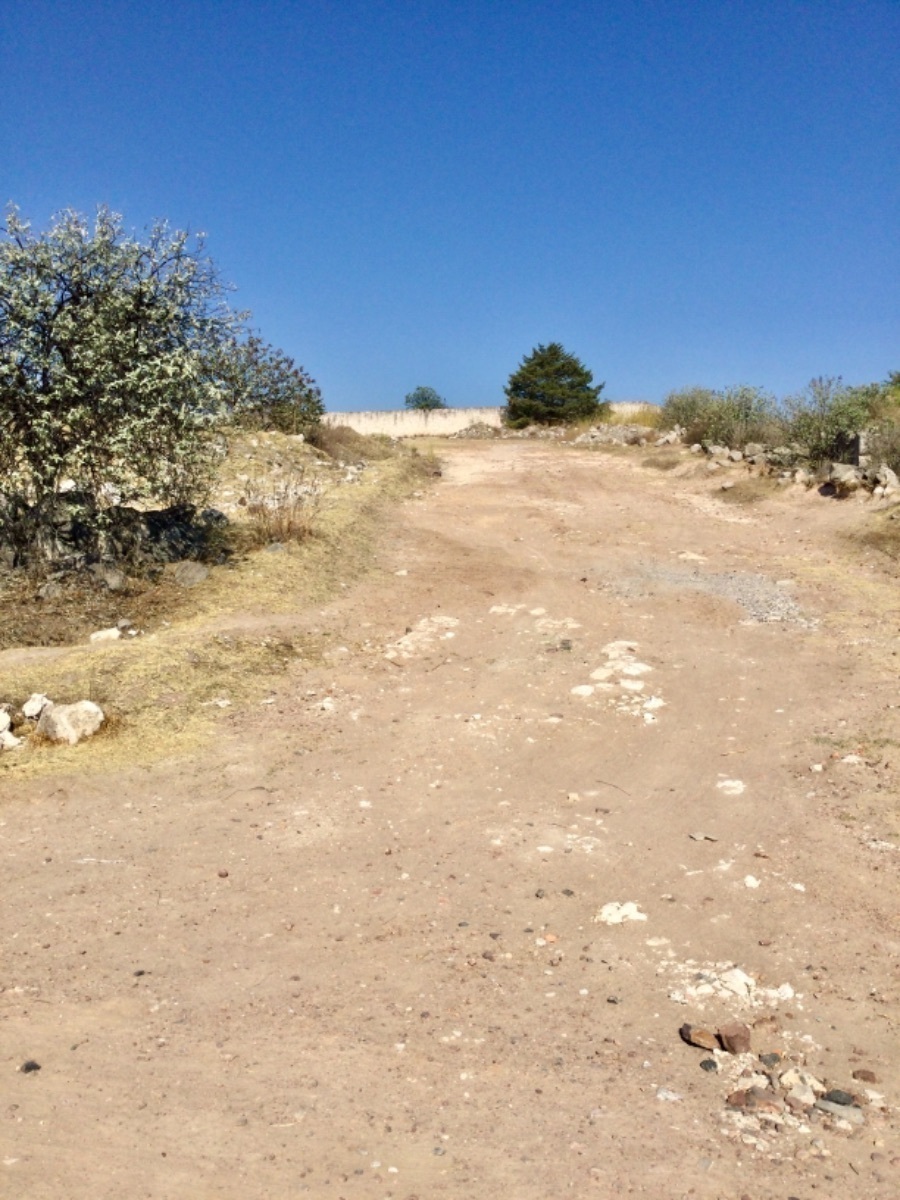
x=29, y=1066
x=709, y=1064
x=223, y=874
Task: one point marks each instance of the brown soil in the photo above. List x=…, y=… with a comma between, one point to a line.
x=353, y=946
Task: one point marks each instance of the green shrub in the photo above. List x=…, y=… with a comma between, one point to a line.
x=685, y=408
x=828, y=417
x=728, y=418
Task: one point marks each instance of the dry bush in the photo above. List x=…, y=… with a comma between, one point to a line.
x=346, y=445
x=649, y=416
x=283, y=510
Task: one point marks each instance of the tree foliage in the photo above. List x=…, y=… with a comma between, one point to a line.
x=552, y=387
x=424, y=399
x=828, y=417
x=263, y=388
x=105, y=351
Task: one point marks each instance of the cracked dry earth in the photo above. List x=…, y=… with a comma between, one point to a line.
x=427, y=925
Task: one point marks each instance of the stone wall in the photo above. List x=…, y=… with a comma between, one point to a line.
x=439, y=422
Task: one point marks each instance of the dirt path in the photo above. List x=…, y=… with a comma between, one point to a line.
x=361, y=948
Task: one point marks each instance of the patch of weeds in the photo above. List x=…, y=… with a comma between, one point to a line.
x=751, y=490
x=663, y=461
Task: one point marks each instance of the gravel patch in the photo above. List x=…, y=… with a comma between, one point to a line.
x=763, y=601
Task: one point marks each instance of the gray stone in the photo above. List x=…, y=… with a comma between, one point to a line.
x=735, y=456
x=51, y=590
x=70, y=722
x=886, y=477
x=106, y=573
x=189, y=573
x=845, y=477
x=847, y=1112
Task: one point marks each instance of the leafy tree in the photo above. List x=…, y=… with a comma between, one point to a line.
x=263, y=388
x=425, y=399
x=552, y=387
x=105, y=351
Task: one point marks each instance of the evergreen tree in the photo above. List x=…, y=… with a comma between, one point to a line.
x=552, y=387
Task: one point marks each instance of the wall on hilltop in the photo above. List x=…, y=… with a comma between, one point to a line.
x=439, y=422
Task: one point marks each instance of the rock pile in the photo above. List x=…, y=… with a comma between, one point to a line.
x=773, y=1091
x=38, y=715
x=791, y=465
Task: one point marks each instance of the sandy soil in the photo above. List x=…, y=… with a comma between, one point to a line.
x=359, y=948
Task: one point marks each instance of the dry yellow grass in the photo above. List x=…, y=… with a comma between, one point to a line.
x=225, y=639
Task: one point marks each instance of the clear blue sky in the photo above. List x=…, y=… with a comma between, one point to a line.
x=419, y=192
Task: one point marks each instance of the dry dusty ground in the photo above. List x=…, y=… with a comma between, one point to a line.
x=352, y=948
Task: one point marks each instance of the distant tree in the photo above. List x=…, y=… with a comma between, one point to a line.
x=263, y=388
x=425, y=399
x=552, y=387
x=104, y=349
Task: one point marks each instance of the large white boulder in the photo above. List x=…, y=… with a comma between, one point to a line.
x=70, y=722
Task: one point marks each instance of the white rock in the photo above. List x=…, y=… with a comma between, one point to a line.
x=731, y=787
x=615, y=913
x=9, y=741
x=70, y=722
x=5, y=720
x=738, y=982
x=106, y=635
x=794, y=1077
x=34, y=705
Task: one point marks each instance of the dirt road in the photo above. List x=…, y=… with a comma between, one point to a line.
x=427, y=924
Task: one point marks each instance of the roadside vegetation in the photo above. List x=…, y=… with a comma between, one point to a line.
x=823, y=423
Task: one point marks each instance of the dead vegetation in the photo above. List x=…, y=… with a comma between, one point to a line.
x=212, y=648
x=751, y=489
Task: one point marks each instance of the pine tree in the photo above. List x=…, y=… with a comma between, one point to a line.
x=552, y=387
